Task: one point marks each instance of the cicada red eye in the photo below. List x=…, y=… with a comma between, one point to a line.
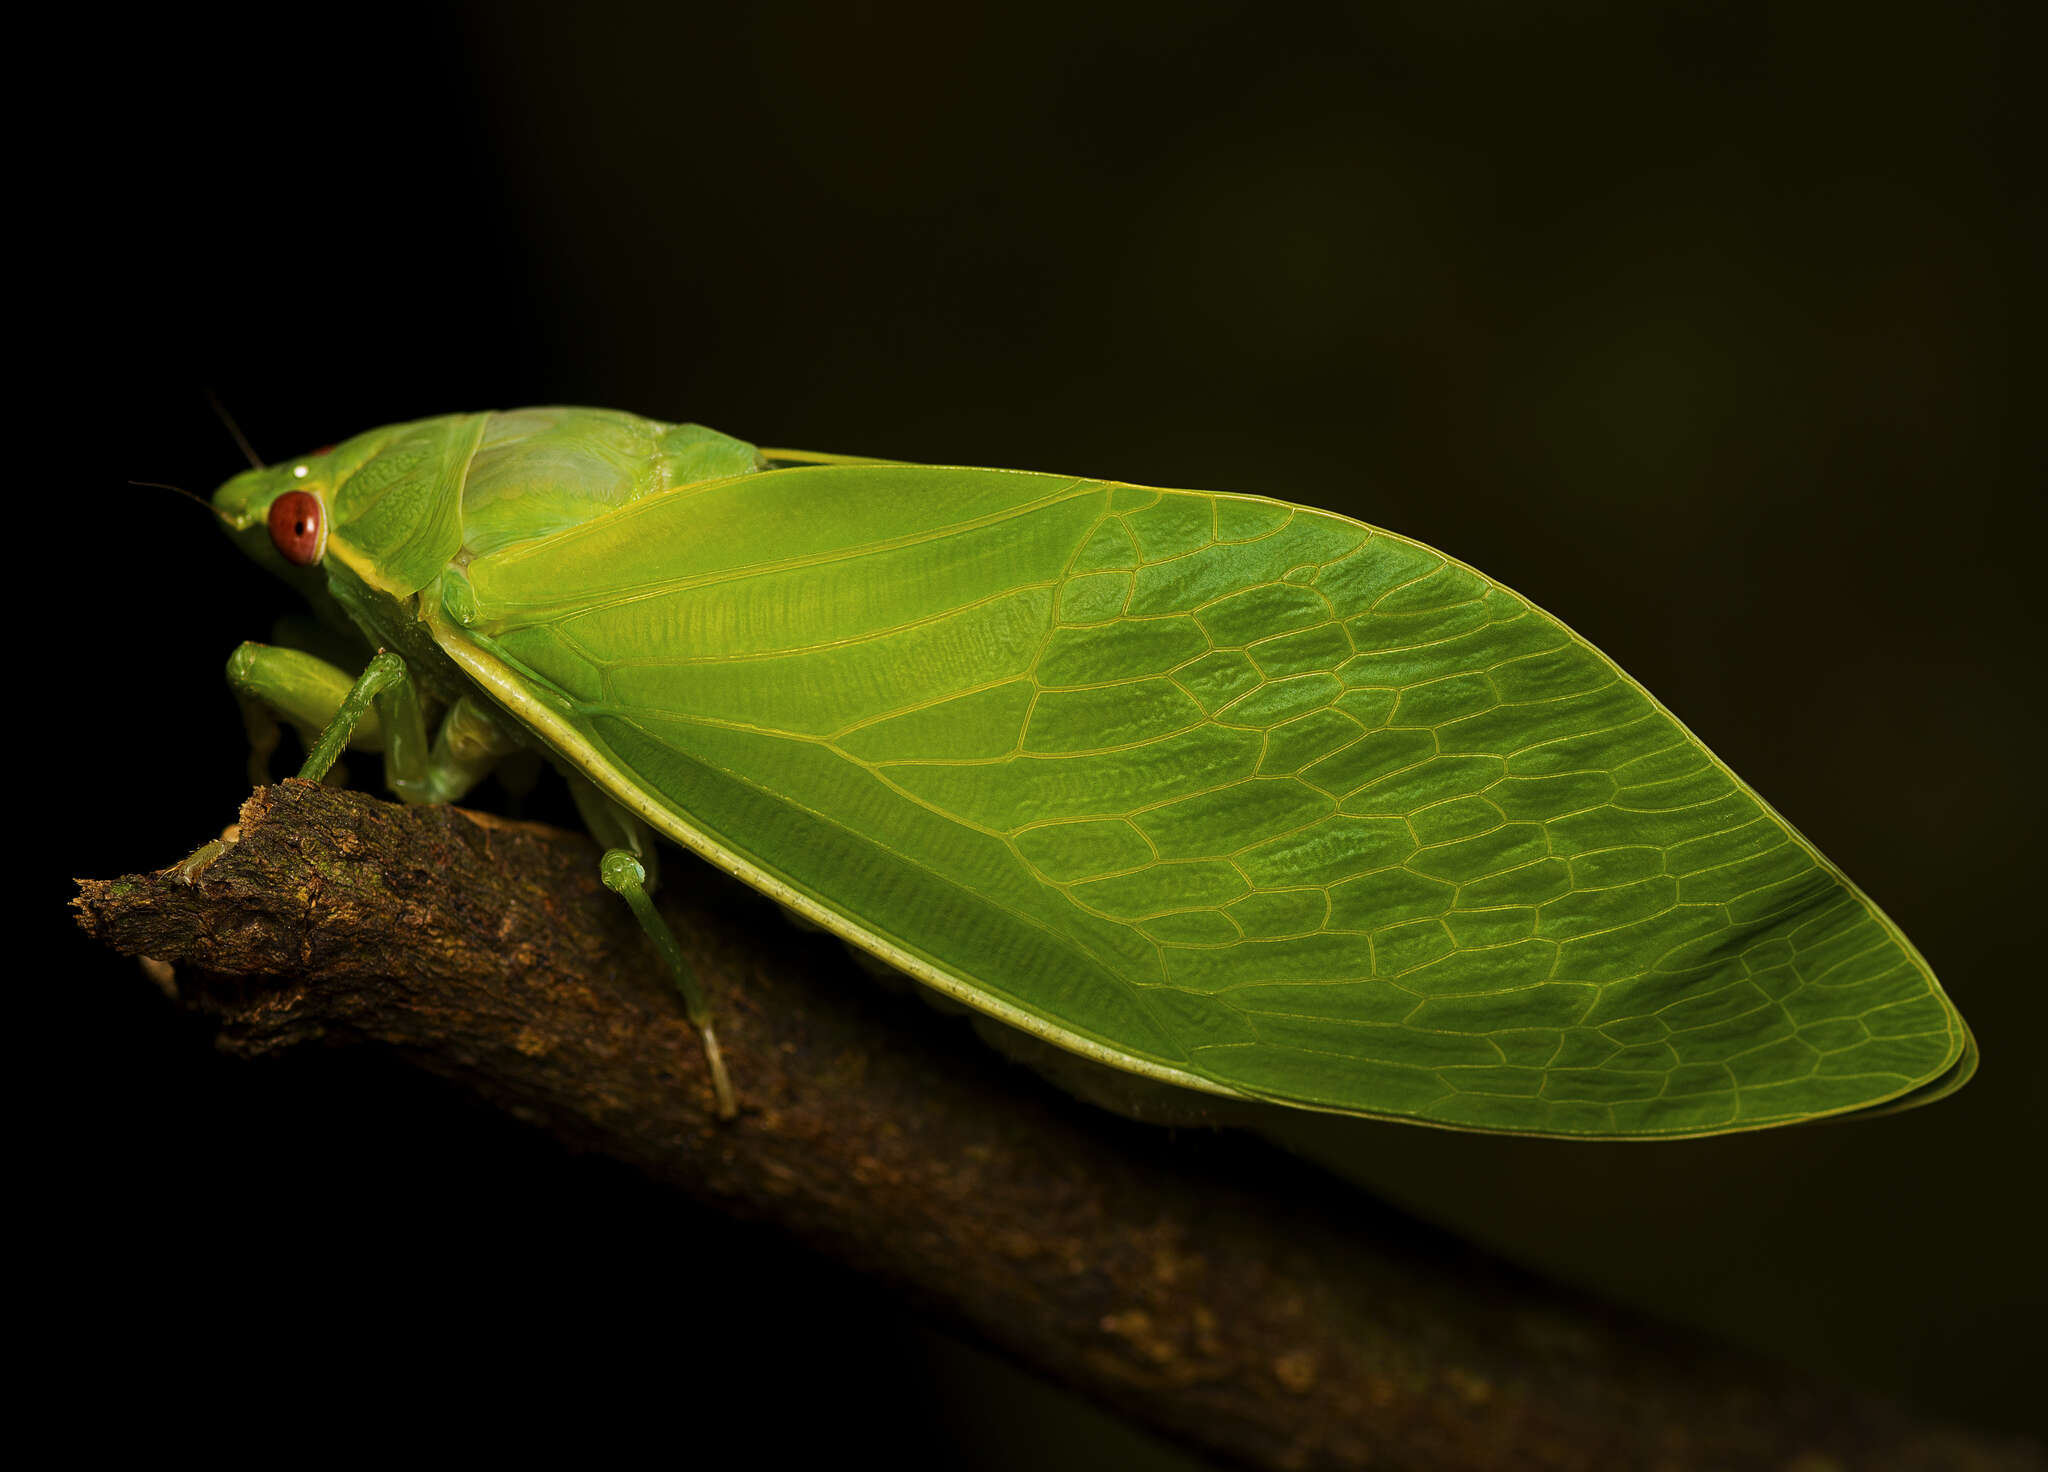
x=295, y=527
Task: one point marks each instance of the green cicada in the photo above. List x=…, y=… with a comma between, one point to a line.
x=1220, y=791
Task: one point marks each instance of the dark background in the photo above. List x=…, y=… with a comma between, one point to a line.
x=1712, y=328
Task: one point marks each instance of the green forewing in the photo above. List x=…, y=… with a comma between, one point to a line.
x=1221, y=788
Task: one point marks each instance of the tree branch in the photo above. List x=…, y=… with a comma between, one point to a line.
x=1203, y=1285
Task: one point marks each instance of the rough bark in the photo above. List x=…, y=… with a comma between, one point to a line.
x=1208, y=1287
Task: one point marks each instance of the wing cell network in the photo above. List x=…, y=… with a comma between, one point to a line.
x=1228, y=788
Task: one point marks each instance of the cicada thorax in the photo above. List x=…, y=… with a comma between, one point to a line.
x=539, y=472
x=380, y=521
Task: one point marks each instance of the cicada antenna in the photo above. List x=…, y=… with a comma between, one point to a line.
x=220, y=411
x=215, y=511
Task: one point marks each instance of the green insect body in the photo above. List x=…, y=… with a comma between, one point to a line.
x=1224, y=792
